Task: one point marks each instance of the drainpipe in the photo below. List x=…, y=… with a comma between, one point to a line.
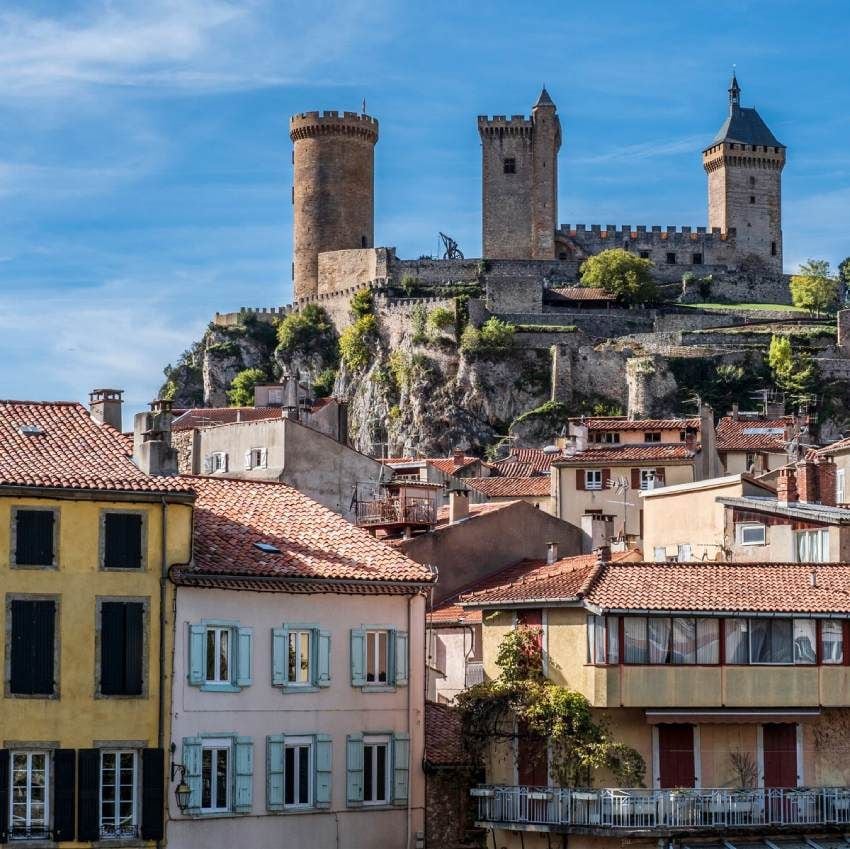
x=163, y=578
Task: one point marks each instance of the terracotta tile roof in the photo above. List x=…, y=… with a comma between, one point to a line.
x=510, y=487
x=447, y=465
x=444, y=736
x=734, y=587
x=524, y=462
x=314, y=543
x=69, y=450
x=537, y=580
x=208, y=416
x=660, y=452
x=597, y=423
x=474, y=510
x=451, y=613
x=835, y=447
x=753, y=434
x=583, y=293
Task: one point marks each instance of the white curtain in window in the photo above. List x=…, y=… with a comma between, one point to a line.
x=684, y=640
x=782, y=641
x=634, y=636
x=804, y=641
x=613, y=623
x=599, y=633
x=760, y=641
x=832, y=642
x=708, y=641
x=659, y=640
x=737, y=649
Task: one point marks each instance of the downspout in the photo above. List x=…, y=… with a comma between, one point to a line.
x=163, y=579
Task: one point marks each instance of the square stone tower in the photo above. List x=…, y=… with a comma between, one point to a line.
x=744, y=165
x=520, y=182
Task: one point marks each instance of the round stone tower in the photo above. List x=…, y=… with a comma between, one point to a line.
x=333, y=193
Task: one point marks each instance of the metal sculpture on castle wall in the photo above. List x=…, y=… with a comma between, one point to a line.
x=452, y=251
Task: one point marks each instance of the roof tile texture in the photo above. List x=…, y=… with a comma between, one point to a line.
x=732, y=435
x=510, y=487
x=657, y=451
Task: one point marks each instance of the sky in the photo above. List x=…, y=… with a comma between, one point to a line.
x=145, y=161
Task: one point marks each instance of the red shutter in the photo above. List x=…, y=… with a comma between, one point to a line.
x=606, y=476
x=580, y=479
x=635, y=478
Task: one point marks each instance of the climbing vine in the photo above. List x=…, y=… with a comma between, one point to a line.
x=579, y=744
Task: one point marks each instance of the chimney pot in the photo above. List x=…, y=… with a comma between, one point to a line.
x=105, y=406
x=786, y=486
x=458, y=456
x=551, y=552
x=458, y=503
x=826, y=477
x=813, y=577
x=603, y=554
x=807, y=482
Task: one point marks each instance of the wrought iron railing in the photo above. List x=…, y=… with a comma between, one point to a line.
x=663, y=810
x=397, y=510
x=474, y=673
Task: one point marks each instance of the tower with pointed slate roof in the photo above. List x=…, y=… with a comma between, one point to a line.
x=520, y=182
x=744, y=166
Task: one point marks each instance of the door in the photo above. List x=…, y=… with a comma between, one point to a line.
x=676, y=755
x=532, y=759
x=780, y=754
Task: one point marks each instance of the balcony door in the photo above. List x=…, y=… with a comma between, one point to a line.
x=779, y=745
x=676, y=765
x=532, y=758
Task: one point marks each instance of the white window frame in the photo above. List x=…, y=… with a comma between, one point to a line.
x=218, y=461
x=839, y=486
x=258, y=458
x=659, y=554
x=684, y=552
x=818, y=536
x=741, y=527
x=216, y=745
x=373, y=741
x=29, y=833
x=299, y=743
x=374, y=635
x=648, y=478
x=828, y=659
x=593, y=479
x=133, y=829
x=219, y=631
x=311, y=672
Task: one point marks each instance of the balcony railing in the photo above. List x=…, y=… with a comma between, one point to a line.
x=397, y=510
x=474, y=673
x=661, y=811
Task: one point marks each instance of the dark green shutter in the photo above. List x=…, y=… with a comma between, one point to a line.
x=134, y=648
x=153, y=794
x=88, y=797
x=121, y=648
x=31, y=655
x=4, y=795
x=34, y=537
x=122, y=547
x=64, y=796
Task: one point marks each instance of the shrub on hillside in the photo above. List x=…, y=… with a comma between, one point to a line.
x=622, y=274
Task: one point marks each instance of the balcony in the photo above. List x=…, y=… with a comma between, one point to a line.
x=473, y=673
x=397, y=511
x=661, y=812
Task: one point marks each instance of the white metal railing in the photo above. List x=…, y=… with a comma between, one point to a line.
x=663, y=810
x=473, y=673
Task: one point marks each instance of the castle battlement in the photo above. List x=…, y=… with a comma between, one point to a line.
x=515, y=125
x=332, y=122
x=645, y=233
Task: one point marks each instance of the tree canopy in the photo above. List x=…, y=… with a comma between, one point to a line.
x=622, y=274
x=241, y=392
x=814, y=288
x=794, y=373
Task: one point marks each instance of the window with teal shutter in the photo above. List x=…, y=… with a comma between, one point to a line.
x=244, y=775
x=220, y=656
x=300, y=658
x=354, y=770
x=324, y=770
x=379, y=658
x=358, y=657
x=278, y=657
x=323, y=677
x=401, y=758
x=244, y=651
x=400, y=670
x=197, y=636
x=191, y=756
x=274, y=772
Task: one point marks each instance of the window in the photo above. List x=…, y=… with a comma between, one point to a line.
x=839, y=486
x=275, y=397
x=256, y=458
x=832, y=641
x=378, y=657
x=634, y=634
x=752, y=199
x=750, y=461
x=509, y=165
x=773, y=250
x=215, y=776
x=752, y=533
x=216, y=462
x=605, y=436
x=364, y=242
x=29, y=815
x=697, y=259
x=752, y=181
x=32, y=649
x=301, y=657
x=298, y=657
x=650, y=479
x=684, y=553
x=122, y=648
x=812, y=546
x=297, y=772
x=653, y=436
x=671, y=258
x=679, y=640
x=376, y=771
x=805, y=641
x=122, y=540
x=593, y=479
x=644, y=254
x=218, y=656
x=659, y=554
x=770, y=641
x=34, y=537
x=118, y=794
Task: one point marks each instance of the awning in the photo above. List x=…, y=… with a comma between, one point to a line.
x=715, y=716
x=772, y=842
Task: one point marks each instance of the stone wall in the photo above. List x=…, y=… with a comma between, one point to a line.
x=351, y=268
x=449, y=810
x=514, y=295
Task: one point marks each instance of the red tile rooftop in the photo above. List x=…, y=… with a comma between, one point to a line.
x=583, y=293
x=208, y=416
x=510, y=487
x=57, y=445
x=444, y=736
x=615, y=423
x=753, y=434
x=524, y=462
x=626, y=453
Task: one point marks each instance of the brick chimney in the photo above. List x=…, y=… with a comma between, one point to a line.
x=458, y=456
x=105, y=406
x=458, y=502
x=603, y=554
x=551, y=552
x=152, y=450
x=807, y=482
x=786, y=486
x=825, y=467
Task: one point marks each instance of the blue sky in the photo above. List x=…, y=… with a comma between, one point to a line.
x=144, y=154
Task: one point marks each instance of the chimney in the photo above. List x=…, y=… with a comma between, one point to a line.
x=807, y=482
x=458, y=502
x=152, y=451
x=813, y=576
x=786, y=486
x=825, y=469
x=105, y=406
x=458, y=456
x=551, y=552
x=734, y=413
x=603, y=554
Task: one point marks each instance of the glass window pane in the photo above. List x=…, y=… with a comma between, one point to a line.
x=599, y=639
x=206, y=778
x=832, y=642
x=224, y=656
x=371, y=637
x=368, y=753
x=804, y=641
x=634, y=636
x=292, y=658
x=659, y=640
x=382, y=656
x=211, y=654
x=221, y=778
x=304, y=657
x=782, y=640
x=760, y=644
x=289, y=776
x=304, y=775
x=708, y=641
x=737, y=645
x=381, y=773
x=684, y=640
x=613, y=624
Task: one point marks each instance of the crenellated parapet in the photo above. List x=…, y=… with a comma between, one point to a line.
x=501, y=125
x=649, y=234
x=305, y=125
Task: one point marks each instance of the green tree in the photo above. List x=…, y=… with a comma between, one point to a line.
x=844, y=279
x=814, y=289
x=309, y=331
x=355, y=342
x=794, y=373
x=362, y=303
x=622, y=274
x=241, y=392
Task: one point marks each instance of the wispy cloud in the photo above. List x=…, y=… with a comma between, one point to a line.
x=644, y=150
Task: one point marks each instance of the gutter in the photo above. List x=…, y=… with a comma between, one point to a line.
x=73, y=494
x=416, y=586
